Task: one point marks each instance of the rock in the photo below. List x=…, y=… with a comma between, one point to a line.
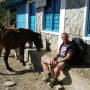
x=48, y=84
x=7, y=88
x=58, y=87
x=9, y=83
x=27, y=67
x=82, y=74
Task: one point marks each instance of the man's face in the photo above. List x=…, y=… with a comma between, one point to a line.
x=64, y=38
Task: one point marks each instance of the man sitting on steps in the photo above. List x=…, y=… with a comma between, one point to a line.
x=59, y=61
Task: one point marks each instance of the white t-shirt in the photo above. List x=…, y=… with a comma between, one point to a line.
x=64, y=50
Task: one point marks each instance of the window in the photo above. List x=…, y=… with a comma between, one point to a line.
x=51, y=16
x=32, y=17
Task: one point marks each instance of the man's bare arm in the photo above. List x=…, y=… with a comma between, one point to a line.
x=66, y=58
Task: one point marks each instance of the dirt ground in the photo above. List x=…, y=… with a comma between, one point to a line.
x=27, y=79
x=24, y=79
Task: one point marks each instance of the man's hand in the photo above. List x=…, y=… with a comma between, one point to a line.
x=53, y=62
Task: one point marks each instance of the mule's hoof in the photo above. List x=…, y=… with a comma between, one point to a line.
x=23, y=64
x=17, y=57
x=11, y=70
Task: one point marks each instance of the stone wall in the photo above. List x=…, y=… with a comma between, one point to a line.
x=73, y=25
x=50, y=41
x=74, y=16
x=39, y=19
x=74, y=20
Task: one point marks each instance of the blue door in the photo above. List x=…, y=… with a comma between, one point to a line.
x=21, y=16
x=32, y=17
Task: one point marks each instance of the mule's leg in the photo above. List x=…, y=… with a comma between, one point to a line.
x=6, y=60
x=17, y=53
x=0, y=53
x=22, y=55
x=1, y=48
x=30, y=44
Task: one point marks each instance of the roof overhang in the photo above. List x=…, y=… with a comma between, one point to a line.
x=12, y=3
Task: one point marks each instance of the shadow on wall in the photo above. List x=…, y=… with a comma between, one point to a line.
x=35, y=57
x=48, y=45
x=87, y=56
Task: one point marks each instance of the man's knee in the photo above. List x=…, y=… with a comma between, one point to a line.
x=45, y=60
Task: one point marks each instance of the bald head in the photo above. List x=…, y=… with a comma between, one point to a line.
x=64, y=37
x=64, y=34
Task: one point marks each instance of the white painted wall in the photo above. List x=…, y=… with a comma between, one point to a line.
x=62, y=19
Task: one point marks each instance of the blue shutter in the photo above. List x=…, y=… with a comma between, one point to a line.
x=56, y=15
x=51, y=16
x=32, y=17
x=21, y=16
x=48, y=16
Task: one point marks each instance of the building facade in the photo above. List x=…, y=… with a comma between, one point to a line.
x=52, y=17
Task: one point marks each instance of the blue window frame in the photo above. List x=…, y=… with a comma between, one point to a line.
x=51, y=16
x=88, y=22
x=21, y=16
x=32, y=17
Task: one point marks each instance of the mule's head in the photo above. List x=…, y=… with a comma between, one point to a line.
x=38, y=41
